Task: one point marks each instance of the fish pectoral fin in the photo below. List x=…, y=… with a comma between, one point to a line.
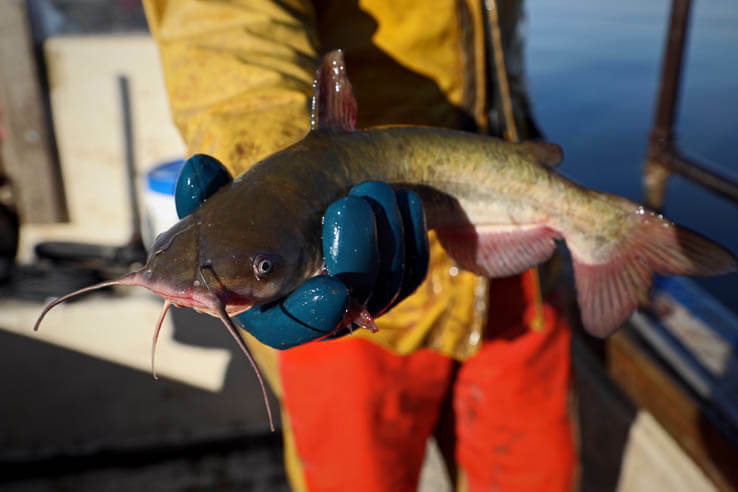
x=545, y=153
x=610, y=289
x=498, y=250
x=334, y=104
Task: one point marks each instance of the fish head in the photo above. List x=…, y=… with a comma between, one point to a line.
x=258, y=238
x=200, y=261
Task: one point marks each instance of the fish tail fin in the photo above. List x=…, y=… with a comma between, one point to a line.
x=610, y=289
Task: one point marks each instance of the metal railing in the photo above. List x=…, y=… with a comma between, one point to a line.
x=663, y=156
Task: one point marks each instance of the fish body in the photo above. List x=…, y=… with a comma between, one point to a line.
x=496, y=208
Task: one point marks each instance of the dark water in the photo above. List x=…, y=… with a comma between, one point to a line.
x=593, y=69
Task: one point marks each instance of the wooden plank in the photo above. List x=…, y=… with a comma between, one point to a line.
x=622, y=447
x=26, y=150
x=85, y=101
x=652, y=388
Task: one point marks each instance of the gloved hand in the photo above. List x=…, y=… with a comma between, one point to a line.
x=375, y=245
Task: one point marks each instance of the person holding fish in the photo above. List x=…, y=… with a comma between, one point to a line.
x=360, y=409
x=482, y=364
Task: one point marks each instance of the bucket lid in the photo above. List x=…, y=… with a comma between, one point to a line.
x=163, y=177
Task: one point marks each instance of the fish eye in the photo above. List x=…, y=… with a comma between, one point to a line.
x=262, y=265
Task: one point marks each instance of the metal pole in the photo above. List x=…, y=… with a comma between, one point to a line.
x=671, y=72
x=656, y=173
x=130, y=158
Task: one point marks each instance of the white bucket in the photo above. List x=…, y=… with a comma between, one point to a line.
x=160, y=210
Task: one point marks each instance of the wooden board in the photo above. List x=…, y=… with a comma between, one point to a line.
x=623, y=447
x=85, y=99
x=655, y=390
x=26, y=150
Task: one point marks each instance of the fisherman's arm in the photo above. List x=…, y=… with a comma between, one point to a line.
x=239, y=74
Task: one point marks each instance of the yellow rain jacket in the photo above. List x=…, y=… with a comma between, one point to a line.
x=239, y=75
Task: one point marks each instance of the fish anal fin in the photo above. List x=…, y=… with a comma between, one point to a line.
x=334, y=104
x=610, y=290
x=608, y=293
x=498, y=251
x=546, y=153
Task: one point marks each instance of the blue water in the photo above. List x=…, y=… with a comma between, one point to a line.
x=593, y=70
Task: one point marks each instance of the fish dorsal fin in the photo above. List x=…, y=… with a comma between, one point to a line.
x=546, y=153
x=334, y=104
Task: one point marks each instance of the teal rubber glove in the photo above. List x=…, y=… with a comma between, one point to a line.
x=376, y=253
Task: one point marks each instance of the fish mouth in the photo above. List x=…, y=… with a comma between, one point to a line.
x=205, y=301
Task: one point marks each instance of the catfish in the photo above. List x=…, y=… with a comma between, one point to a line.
x=497, y=207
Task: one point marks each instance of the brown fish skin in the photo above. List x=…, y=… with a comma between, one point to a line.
x=497, y=211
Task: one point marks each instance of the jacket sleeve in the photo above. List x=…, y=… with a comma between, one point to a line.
x=238, y=73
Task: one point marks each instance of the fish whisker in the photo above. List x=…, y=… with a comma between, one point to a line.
x=235, y=333
x=167, y=305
